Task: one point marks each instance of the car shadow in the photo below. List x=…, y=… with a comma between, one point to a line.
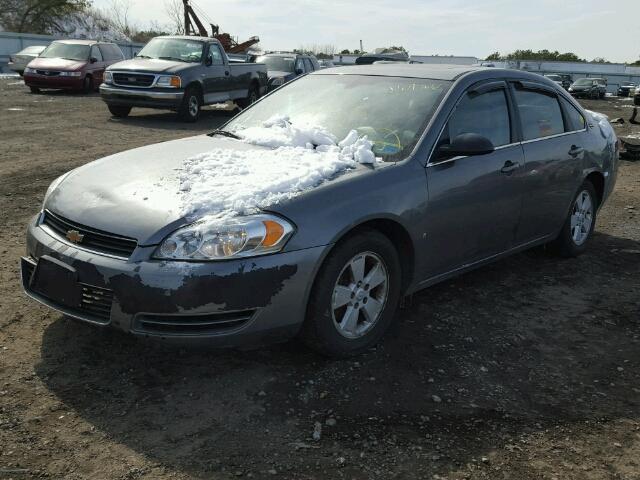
x=210, y=119
x=473, y=364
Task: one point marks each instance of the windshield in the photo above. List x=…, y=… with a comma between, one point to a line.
x=555, y=78
x=277, y=64
x=391, y=111
x=70, y=51
x=177, y=49
x=33, y=50
x=584, y=81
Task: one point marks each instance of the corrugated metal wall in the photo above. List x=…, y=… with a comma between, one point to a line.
x=11, y=43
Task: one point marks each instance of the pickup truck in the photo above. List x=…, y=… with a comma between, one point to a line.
x=181, y=73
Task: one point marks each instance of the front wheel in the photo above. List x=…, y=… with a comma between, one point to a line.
x=119, y=111
x=579, y=224
x=34, y=89
x=354, y=297
x=189, y=110
x=87, y=85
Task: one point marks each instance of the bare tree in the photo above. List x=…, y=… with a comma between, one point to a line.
x=175, y=11
x=118, y=13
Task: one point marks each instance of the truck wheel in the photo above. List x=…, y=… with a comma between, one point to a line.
x=252, y=97
x=119, y=111
x=191, y=105
x=34, y=89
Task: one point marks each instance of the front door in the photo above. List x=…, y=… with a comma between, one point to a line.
x=216, y=77
x=474, y=201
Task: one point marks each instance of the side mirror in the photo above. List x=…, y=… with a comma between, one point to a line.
x=93, y=59
x=299, y=71
x=467, y=145
x=208, y=62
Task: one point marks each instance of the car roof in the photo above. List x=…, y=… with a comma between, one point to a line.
x=78, y=41
x=413, y=70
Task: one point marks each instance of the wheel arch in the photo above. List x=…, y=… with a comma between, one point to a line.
x=197, y=85
x=596, y=178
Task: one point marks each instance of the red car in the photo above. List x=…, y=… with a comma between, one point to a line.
x=71, y=65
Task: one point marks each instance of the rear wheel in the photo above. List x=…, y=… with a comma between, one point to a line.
x=189, y=110
x=119, y=111
x=252, y=97
x=579, y=224
x=34, y=89
x=354, y=297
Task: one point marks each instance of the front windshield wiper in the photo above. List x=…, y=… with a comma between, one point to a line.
x=143, y=56
x=224, y=133
x=173, y=58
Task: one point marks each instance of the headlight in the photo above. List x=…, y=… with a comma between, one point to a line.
x=277, y=81
x=224, y=239
x=169, y=81
x=70, y=74
x=55, y=184
x=29, y=70
x=108, y=77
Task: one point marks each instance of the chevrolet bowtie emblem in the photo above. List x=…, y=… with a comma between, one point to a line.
x=75, y=236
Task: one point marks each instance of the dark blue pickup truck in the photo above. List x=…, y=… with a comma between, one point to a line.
x=181, y=73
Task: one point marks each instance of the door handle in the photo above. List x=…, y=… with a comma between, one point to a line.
x=575, y=150
x=509, y=166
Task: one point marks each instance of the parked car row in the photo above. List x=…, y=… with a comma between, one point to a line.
x=593, y=88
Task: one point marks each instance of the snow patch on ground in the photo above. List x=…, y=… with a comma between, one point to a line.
x=15, y=109
x=227, y=182
x=605, y=127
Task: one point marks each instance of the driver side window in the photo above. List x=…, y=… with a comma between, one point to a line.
x=215, y=55
x=485, y=114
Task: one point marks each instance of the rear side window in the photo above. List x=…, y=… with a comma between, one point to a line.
x=575, y=120
x=540, y=114
x=308, y=65
x=111, y=52
x=300, y=65
x=486, y=114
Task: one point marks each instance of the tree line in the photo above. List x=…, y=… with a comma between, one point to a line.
x=546, y=55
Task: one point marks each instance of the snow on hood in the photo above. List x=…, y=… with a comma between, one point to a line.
x=226, y=182
x=606, y=130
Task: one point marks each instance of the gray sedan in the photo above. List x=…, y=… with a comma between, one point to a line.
x=473, y=164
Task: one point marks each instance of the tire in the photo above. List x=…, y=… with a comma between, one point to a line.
x=191, y=106
x=326, y=328
x=34, y=90
x=87, y=85
x=570, y=242
x=119, y=111
x=252, y=97
x=636, y=100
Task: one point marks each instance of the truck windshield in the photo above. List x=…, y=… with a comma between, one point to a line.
x=180, y=50
x=70, y=51
x=584, y=81
x=391, y=111
x=277, y=64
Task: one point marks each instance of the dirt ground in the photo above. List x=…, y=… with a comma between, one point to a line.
x=526, y=369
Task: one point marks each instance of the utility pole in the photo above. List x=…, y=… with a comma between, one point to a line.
x=187, y=23
x=361, y=49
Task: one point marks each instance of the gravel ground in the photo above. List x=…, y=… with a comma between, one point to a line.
x=525, y=369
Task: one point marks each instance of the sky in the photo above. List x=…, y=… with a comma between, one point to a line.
x=589, y=28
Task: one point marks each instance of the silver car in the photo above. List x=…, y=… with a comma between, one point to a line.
x=474, y=164
x=18, y=61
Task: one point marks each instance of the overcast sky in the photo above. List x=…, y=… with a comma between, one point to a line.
x=589, y=28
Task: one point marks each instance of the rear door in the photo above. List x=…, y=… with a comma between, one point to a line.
x=97, y=68
x=554, y=141
x=474, y=201
x=216, y=76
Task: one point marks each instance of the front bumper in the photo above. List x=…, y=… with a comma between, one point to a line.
x=57, y=82
x=140, y=97
x=252, y=301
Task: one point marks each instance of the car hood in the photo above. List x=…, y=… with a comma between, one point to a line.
x=151, y=65
x=135, y=193
x=56, y=64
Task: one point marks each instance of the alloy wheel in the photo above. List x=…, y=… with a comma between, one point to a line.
x=581, y=217
x=193, y=106
x=359, y=295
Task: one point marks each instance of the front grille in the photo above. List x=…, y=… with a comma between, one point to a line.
x=96, y=301
x=208, y=324
x=48, y=73
x=133, y=79
x=95, y=240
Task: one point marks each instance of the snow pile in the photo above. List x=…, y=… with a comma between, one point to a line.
x=228, y=182
x=91, y=24
x=605, y=127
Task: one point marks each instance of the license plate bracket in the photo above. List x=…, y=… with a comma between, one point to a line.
x=56, y=281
